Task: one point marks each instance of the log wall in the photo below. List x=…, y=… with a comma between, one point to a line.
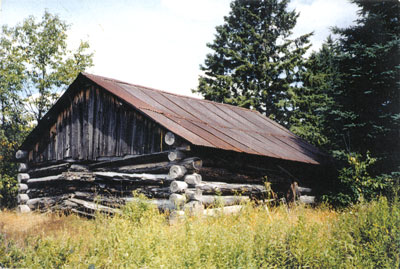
x=175, y=180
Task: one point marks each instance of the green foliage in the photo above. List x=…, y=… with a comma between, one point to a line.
x=49, y=64
x=366, y=111
x=35, y=63
x=254, y=64
x=355, y=183
x=363, y=236
x=8, y=191
x=311, y=101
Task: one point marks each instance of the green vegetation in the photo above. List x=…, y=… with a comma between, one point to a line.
x=343, y=98
x=35, y=65
x=254, y=63
x=362, y=236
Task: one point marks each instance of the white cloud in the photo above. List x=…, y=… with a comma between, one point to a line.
x=319, y=16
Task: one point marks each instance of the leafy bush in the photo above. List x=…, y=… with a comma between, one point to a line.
x=355, y=183
x=8, y=191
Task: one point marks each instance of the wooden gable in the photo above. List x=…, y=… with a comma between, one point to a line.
x=93, y=124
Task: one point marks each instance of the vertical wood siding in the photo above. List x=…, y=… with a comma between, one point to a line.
x=96, y=124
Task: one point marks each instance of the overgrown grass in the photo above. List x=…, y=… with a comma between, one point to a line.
x=367, y=235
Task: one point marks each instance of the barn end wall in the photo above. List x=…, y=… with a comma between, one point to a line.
x=96, y=124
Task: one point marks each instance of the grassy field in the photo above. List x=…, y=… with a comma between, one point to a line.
x=365, y=236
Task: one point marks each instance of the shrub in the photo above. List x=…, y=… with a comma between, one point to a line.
x=355, y=183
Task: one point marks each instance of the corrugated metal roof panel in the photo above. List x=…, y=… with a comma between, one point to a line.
x=210, y=124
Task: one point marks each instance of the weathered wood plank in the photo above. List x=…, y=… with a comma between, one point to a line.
x=91, y=123
x=97, y=123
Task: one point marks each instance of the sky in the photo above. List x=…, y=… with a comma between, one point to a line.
x=161, y=43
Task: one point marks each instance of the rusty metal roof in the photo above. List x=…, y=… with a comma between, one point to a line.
x=211, y=124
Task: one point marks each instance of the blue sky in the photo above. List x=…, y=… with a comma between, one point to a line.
x=161, y=43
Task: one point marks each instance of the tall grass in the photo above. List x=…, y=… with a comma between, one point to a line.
x=367, y=235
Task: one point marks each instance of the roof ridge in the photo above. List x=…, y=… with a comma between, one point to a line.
x=171, y=93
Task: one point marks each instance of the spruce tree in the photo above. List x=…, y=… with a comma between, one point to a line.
x=312, y=99
x=367, y=97
x=254, y=63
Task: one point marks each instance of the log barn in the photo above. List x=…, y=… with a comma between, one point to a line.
x=105, y=139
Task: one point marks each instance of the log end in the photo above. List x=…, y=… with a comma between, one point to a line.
x=177, y=171
x=21, y=155
x=169, y=138
x=23, y=209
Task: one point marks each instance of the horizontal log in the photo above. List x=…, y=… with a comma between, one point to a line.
x=227, y=210
x=79, y=168
x=45, y=179
x=193, y=194
x=136, y=159
x=21, y=155
x=22, y=188
x=110, y=201
x=177, y=171
x=227, y=188
x=178, y=186
x=307, y=199
x=93, y=206
x=22, y=198
x=176, y=155
x=45, y=202
x=152, y=168
x=82, y=213
x=178, y=199
x=193, y=179
x=169, y=139
x=161, y=204
x=303, y=190
x=193, y=208
x=226, y=175
x=215, y=200
x=22, y=177
x=23, y=209
x=137, y=178
x=49, y=170
x=23, y=167
x=78, y=176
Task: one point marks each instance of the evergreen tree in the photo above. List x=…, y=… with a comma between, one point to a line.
x=367, y=97
x=254, y=64
x=312, y=99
